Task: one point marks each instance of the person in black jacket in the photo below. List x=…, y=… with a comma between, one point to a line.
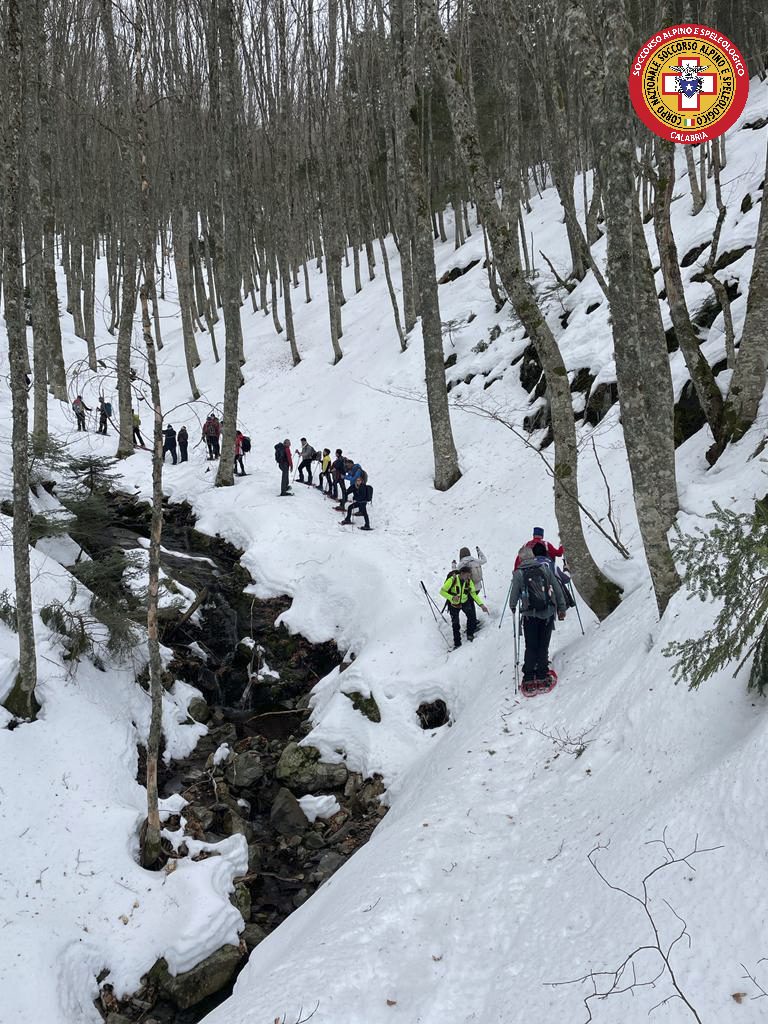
x=183, y=439
x=285, y=463
x=360, y=502
x=337, y=475
x=169, y=442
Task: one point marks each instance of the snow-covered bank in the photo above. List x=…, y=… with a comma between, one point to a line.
x=475, y=893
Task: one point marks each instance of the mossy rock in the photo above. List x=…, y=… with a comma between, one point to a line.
x=208, y=977
x=365, y=705
x=302, y=771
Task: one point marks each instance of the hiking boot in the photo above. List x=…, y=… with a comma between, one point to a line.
x=529, y=688
x=365, y=527
x=457, y=645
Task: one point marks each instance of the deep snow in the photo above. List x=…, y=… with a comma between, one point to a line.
x=475, y=894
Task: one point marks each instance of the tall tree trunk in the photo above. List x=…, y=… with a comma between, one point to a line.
x=231, y=281
x=124, y=339
x=21, y=700
x=701, y=372
x=446, y=459
x=180, y=221
x=697, y=200
x=642, y=363
x=748, y=381
x=600, y=593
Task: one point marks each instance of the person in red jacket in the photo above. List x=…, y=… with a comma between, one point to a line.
x=239, y=453
x=538, y=538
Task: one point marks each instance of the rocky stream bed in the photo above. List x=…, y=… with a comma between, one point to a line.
x=255, y=679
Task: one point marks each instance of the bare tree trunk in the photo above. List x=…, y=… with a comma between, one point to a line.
x=288, y=308
x=392, y=296
x=748, y=381
x=642, y=363
x=447, y=470
x=180, y=227
x=124, y=340
x=601, y=594
x=701, y=372
x=231, y=282
x=21, y=700
x=697, y=200
x=89, y=296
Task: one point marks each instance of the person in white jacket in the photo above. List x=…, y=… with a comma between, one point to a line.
x=468, y=561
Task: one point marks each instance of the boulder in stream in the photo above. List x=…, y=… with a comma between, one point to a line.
x=301, y=770
x=286, y=815
x=191, y=987
x=243, y=770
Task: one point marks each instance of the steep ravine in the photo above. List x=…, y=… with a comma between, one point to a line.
x=256, y=679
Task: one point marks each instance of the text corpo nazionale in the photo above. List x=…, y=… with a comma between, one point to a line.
x=689, y=30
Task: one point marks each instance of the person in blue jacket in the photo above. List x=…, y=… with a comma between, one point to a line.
x=354, y=471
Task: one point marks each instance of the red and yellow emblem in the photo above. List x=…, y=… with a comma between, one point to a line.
x=688, y=83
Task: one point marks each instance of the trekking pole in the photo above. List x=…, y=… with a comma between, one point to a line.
x=575, y=605
x=506, y=602
x=517, y=650
x=482, y=578
x=433, y=608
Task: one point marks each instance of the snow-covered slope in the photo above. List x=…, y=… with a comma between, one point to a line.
x=475, y=895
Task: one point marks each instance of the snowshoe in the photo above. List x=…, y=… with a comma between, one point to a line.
x=365, y=527
x=345, y=522
x=547, y=684
x=529, y=688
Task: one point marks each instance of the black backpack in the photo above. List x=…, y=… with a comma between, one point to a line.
x=280, y=454
x=537, y=591
x=245, y=444
x=368, y=492
x=108, y=409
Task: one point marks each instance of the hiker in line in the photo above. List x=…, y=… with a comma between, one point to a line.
x=183, y=438
x=325, y=470
x=306, y=455
x=137, y=438
x=553, y=553
x=337, y=475
x=541, y=597
x=105, y=411
x=461, y=595
x=169, y=442
x=359, y=504
x=211, y=435
x=538, y=538
x=239, y=453
x=285, y=462
x=475, y=566
x=80, y=410
x=353, y=470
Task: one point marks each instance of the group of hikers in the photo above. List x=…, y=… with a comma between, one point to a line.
x=175, y=442
x=339, y=477
x=539, y=591
x=211, y=434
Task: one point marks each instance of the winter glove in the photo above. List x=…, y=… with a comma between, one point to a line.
x=561, y=616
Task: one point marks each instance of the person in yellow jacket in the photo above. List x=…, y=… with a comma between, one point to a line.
x=461, y=595
x=325, y=469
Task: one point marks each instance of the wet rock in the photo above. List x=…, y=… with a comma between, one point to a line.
x=117, y=1018
x=314, y=841
x=241, y=898
x=198, y=710
x=198, y=816
x=301, y=770
x=367, y=706
x=252, y=935
x=244, y=769
x=286, y=815
x=229, y=822
x=373, y=789
x=600, y=401
x=189, y=988
x=254, y=858
x=329, y=863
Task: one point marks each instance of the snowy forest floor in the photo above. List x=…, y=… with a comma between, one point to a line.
x=475, y=896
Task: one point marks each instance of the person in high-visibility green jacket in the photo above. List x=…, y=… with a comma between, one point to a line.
x=461, y=594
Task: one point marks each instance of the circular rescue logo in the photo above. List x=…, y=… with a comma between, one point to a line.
x=688, y=83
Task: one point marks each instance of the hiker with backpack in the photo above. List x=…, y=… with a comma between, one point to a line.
x=337, y=475
x=80, y=409
x=105, y=413
x=362, y=493
x=306, y=455
x=183, y=438
x=285, y=463
x=552, y=553
x=540, y=596
x=137, y=438
x=475, y=566
x=461, y=595
x=211, y=435
x=325, y=469
x=239, y=453
x=352, y=471
x=169, y=442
